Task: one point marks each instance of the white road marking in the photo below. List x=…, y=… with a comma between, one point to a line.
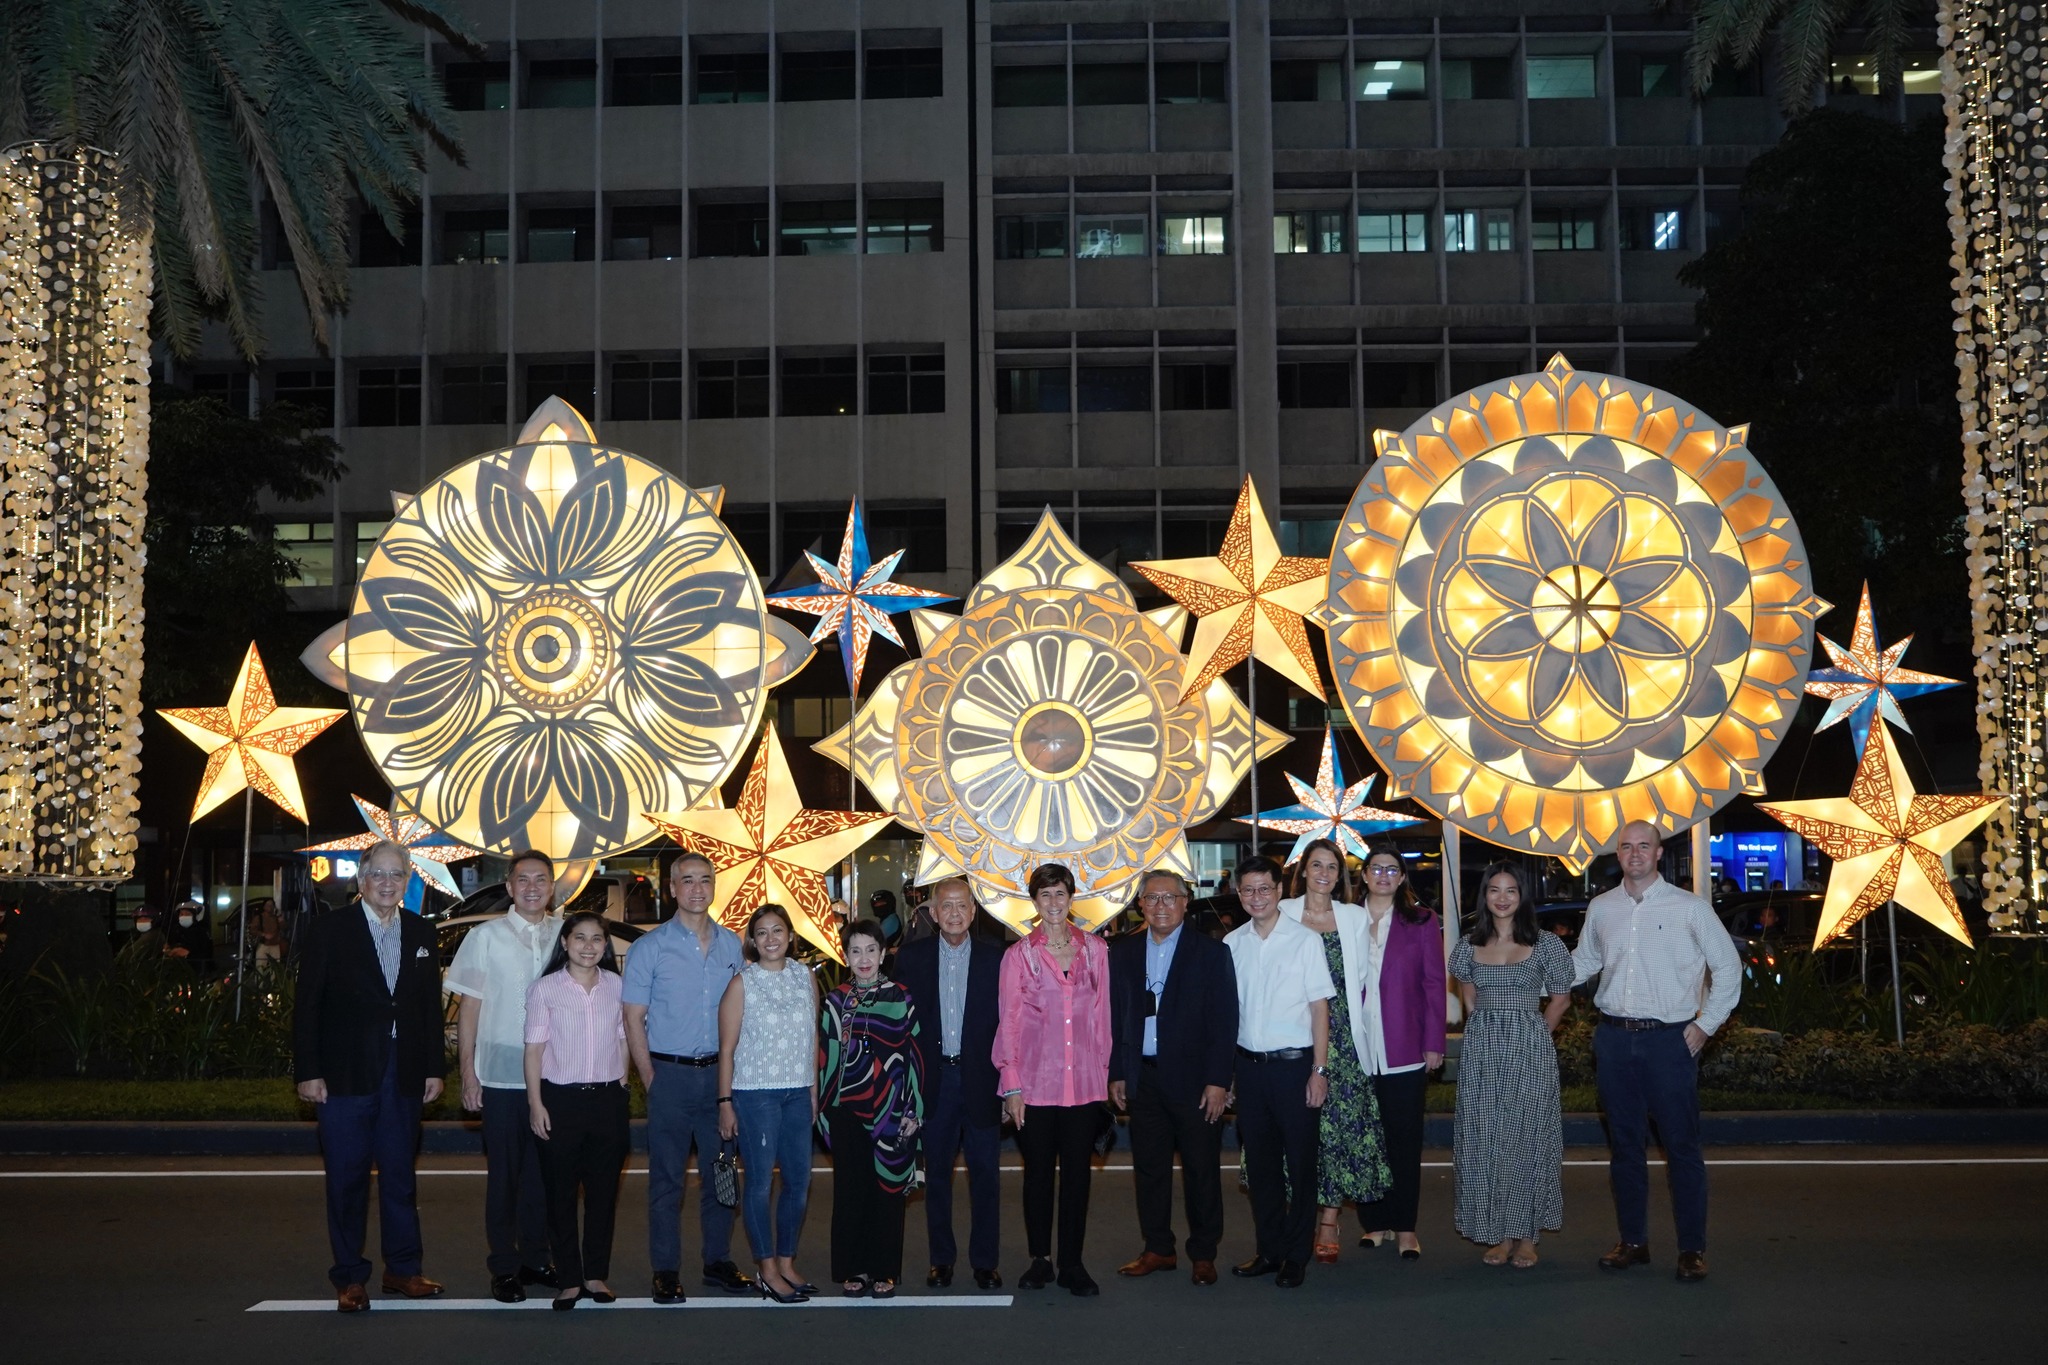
x=493, y=1306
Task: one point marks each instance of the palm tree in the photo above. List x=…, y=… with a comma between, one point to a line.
x=318, y=102
x=1733, y=32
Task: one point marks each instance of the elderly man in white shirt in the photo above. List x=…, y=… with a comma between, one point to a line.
x=1657, y=951
x=496, y=963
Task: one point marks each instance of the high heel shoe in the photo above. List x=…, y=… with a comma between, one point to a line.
x=1413, y=1253
x=600, y=1295
x=564, y=1305
x=769, y=1291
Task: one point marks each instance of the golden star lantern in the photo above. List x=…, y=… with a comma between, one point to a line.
x=1249, y=600
x=1887, y=841
x=1048, y=723
x=1562, y=602
x=250, y=741
x=769, y=848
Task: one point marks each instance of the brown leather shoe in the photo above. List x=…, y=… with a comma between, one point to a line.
x=1624, y=1255
x=412, y=1286
x=352, y=1298
x=1692, y=1265
x=1204, y=1273
x=1146, y=1264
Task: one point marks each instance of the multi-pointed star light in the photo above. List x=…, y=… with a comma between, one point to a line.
x=769, y=848
x=430, y=850
x=1887, y=841
x=855, y=598
x=1250, y=599
x=1867, y=681
x=1330, y=809
x=249, y=742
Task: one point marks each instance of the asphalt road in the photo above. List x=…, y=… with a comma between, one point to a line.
x=1818, y=1255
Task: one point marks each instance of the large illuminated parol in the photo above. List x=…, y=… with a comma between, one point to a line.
x=74, y=444
x=1562, y=602
x=551, y=640
x=1046, y=723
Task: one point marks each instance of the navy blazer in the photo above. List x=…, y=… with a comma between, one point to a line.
x=917, y=971
x=342, y=1015
x=1197, y=1014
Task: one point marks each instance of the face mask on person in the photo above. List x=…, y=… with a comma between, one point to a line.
x=184, y=921
x=143, y=926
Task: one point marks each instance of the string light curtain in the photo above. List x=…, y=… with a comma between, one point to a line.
x=74, y=436
x=1998, y=187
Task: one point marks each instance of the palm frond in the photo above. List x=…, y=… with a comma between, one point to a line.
x=1804, y=38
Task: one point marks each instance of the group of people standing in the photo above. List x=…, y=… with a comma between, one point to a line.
x=1318, y=1021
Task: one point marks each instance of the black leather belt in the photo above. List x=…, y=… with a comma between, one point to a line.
x=1278, y=1054
x=672, y=1058
x=950, y=1060
x=1639, y=1025
x=582, y=1085
x=1149, y=1061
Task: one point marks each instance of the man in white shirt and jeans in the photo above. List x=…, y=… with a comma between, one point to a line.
x=1654, y=948
x=497, y=961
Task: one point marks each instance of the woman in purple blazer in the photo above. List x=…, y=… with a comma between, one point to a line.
x=1401, y=1013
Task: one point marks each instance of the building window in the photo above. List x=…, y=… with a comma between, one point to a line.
x=228, y=387
x=647, y=80
x=474, y=86
x=732, y=229
x=647, y=391
x=1027, y=87
x=568, y=84
x=1649, y=75
x=474, y=237
x=1478, y=78
x=1308, y=231
x=1393, y=79
x=906, y=383
x=1311, y=539
x=819, y=227
x=906, y=226
x=1479, y=230
x=388, y=397
x=1385, y=232
x=560, y=234
x=309, y=545
x=367, y=535
x=905, y=73
x=1116, y=388
x=1307, y=82
x=732, y=388
x=1315, y=384
x=732, y=78
x=1564, y=229
x=472, y=394
x=1563, y=78
x=813, y=717
x=920, y=532
x=574, y=382
x=1191, y=83
x=376, y=246
x=1033, y=388
x=817, y=76
x=1398, y=383
x=646, y=232
x=1110, y=234
x=1200, y=387
x=819, y=386
x=1652, y=229
x=312, y=390
x=1191, y=235
x=1030, y=236
x=1110, y=83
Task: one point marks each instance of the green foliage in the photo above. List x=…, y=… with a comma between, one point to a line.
x=2000, y=984
x=1794, y=995
x=76, y=1008
x=1800, y=33
x=1963, y=1065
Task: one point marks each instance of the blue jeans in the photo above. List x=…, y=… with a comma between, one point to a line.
x=1651, y=1076
x=682, y=1105
x=775, y=1130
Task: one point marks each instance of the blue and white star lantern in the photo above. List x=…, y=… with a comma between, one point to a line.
x=855, y=598
x=1330, y=809
x=1867, y=680
x=429, y=850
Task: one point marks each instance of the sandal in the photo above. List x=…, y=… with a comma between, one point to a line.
x=1524, y=1258
x=885, y=1289
x=856, y=1288
x=1326, y=1247
x=1495, y=1255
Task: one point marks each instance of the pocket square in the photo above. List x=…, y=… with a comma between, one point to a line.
x=422, y=953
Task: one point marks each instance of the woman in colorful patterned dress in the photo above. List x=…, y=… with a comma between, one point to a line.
x=872, y=1086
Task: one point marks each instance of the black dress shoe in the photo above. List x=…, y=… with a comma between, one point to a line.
x=505, y=1289
x=939, y=1277
x=546, y=1279
x=1038, y=1276
x=1255, y=1267
x=1289, y=1276
x=988, y=1279
x=725, y=1275
x=1076, y=1281
x=564, y=1305
x=668, y=1287
x=600, y=1295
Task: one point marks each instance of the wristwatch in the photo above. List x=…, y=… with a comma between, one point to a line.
x=1322, y=1071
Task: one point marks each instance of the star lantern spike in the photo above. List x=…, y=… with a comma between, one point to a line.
x=250, y=741
x=1867, y=681
x=1330, y=809
x=1887, y=841
x=430, y=850
x=769, y=848
x=1250, y=599
x=854, y=598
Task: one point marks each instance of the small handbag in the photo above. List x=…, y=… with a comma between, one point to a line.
x=725, y=1174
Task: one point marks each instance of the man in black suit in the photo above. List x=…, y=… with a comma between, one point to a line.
x=368, y=1053
x=954, y=976
x=1173, y=1048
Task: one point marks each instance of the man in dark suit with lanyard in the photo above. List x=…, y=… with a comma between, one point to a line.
x=1173, y=1048
x=953, y=976
x=367, y=1054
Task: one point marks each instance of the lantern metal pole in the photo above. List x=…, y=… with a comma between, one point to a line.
x=242, y=933
x=1891, y=917
x=1251, y=688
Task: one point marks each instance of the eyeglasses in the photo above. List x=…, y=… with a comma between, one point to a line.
x=385, y=874
x=1161, y=898
x=1383, y=871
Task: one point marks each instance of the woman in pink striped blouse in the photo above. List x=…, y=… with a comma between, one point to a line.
x=1052, y=1050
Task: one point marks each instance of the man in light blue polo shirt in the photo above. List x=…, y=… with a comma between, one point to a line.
x=675, y=977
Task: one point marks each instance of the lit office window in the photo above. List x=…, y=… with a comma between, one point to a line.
x=1649, y=75
x=906, y=226
x=1110, y=234
x=367, y=534
x=1566, y=229
x=1386, y=232
x=1309, y=231
x=1389, y=79
x=1573, y=77
x=309, y=545
x=1479, y=230
x=819, y=227
x=1031, y=236
x=1652, y=229
x=1191, y=235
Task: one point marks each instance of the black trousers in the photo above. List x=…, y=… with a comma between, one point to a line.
x=1160, y=1126
x=1058, y=1138
x=515, y=1200
x=946, y=1136
x=1280, y=1137
x=867, y=1220
x=1400, y=1096
x=586, y=1149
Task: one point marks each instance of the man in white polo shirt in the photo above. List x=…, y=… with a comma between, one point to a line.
x=497, y=961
